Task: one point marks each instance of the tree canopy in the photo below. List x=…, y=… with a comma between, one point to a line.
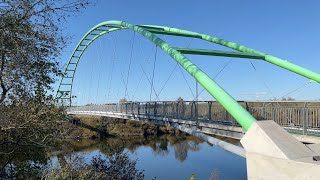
x=31, y=40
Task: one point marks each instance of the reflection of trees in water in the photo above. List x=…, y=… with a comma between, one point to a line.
x=31, y=162
x=215, y=174
x=112, y=145
x=160, y=147
x=158, y=144
x=193, y=146
x=26, y=161
x=182, y=144
x=116, y=166
x=181, y=149
x=70, y=159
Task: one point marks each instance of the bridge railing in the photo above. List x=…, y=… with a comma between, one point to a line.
x=305, y=120
x=295, y=118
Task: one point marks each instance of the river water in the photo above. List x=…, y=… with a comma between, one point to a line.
x=169, y=157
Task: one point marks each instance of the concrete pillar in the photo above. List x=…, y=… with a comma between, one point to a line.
x=272, y=153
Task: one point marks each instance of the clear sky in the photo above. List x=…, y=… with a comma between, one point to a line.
x=289, y=29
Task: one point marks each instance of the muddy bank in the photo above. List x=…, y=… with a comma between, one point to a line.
x=83, y=127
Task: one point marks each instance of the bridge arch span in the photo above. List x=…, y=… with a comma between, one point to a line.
x=243, y=117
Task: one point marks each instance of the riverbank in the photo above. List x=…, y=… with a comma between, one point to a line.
x=92, y=127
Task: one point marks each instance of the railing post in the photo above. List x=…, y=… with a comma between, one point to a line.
x=126, y=108
x=197, y=109
x=148, y=109
x=264, y=112
x=273, y=111
x=191, y=111
x=138, y=108
x=164, y=109
x=306, y=118
x=177, y=109
x=132, y=112
x=196, y=113
x=155, y=109
x=209, y=109
x=247, y=107
x=226, y=116
x=145, y=109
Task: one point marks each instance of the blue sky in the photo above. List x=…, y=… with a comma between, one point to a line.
x=286, y=29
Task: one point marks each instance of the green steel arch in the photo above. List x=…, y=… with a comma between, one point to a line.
x=243, y=117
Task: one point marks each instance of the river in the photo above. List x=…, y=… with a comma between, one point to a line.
x=168, y=157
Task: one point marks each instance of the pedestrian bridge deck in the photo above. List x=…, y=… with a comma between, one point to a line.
x=209, y=117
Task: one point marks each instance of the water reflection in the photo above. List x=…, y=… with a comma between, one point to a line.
x=18, y=162
x=158, y=144
x=170, y=157
x=164, y=157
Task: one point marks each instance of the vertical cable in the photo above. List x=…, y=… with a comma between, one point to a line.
x=125, y=94
x=153, y=70
x=227, y=63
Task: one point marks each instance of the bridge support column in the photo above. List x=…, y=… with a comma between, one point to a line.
x=272, y=153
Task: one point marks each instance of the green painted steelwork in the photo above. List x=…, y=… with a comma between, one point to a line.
x=218, y=53
x=271, y=59
x=242, y=116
